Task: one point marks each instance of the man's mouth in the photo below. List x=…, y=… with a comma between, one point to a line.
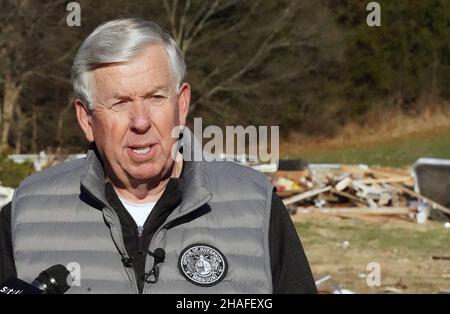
x=141, y=151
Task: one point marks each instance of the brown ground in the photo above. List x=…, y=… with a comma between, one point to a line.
x=403, y=248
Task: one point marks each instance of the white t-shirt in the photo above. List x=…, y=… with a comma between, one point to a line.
x=139, y=212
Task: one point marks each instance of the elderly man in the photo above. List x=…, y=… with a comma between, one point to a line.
x=135, y=219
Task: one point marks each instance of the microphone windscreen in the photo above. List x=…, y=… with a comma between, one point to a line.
x=55, y=278
x=160, y=254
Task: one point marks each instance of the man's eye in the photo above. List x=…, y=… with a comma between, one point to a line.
x=157, y=99
x=118, y=105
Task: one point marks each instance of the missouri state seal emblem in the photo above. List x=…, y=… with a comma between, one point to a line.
x=203, y=265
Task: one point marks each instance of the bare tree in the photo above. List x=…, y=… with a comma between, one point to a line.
x=23, y=35
x=234, y=42
x=239, y=53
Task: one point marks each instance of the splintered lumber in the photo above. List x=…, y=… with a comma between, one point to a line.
x=441, y=257
x=349, y=196
x=387, y=172
x=403, y=179
x=305, y=195
x=343, y=184
x=357, y=210
x=418, y=196
x=372, y=193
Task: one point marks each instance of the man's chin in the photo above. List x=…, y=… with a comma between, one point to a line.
x=144, y=176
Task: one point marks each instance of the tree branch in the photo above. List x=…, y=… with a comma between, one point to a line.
x=228, y=30
x=171, y=13
x=215, y=71
x=265, y=47
x=181, y=29
x=200, y=26
x=43, y=66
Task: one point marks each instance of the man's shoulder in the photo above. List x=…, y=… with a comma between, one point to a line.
x=235, y=173
x=65, y=171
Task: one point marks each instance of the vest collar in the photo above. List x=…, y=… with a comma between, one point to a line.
x=93, y=177
x=194, y=193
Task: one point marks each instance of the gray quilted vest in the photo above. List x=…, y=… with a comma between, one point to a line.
x=61, y=216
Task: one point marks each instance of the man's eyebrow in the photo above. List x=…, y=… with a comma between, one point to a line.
x=155, y=90
x=119, y=97
x=151, y=92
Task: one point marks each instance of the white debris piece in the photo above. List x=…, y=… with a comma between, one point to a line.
x=6, y=195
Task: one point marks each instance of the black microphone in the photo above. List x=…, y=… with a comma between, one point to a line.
x=159, y=255
x=51, y=281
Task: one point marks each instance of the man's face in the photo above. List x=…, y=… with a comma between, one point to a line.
x=136, y=106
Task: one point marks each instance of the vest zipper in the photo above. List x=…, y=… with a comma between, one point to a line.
x=142, y=255
x=140, y=232
x=155, y=235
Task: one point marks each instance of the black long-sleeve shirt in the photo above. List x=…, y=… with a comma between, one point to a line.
x=290, y=269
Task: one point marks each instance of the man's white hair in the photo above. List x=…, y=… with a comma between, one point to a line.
x=119, y=41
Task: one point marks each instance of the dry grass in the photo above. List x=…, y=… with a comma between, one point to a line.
x=377, y=127
x=403, y=249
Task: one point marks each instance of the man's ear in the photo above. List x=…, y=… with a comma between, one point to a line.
x=84, y=119
x=184, y=100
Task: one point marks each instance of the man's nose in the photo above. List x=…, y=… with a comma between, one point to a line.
x=140, y=119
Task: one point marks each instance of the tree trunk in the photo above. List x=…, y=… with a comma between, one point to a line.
x=34, y=136
x=19, y=128
x=11, y=93
x=60, y=127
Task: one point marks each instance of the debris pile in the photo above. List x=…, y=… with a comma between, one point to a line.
x=348, y=189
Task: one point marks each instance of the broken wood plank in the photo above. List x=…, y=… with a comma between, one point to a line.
x=447, y=258
x=343, y=184
x=393, y=290
x=305, y=195
x=387, y=172
x=419, y=196
x=350, y=196
x=356, y=210
x=387, y=180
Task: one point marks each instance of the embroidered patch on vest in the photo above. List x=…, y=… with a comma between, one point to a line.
x=203, y=265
